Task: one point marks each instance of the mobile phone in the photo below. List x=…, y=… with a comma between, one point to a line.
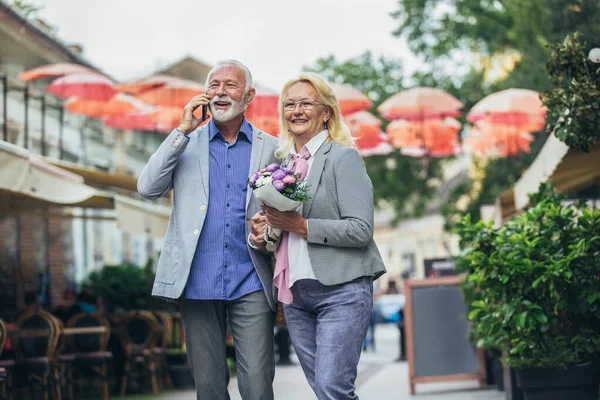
x=204, y=110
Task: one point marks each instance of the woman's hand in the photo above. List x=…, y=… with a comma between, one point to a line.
x=290, y=221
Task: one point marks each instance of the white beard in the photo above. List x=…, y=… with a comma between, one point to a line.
x=235, y=109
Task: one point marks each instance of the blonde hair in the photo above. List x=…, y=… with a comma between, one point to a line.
x=337, y=129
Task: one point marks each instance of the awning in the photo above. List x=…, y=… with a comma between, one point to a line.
x=540, y=170
x=24, y=175
x=567, y=169
x=97, y=176
x=26, y=180
x=139, y=217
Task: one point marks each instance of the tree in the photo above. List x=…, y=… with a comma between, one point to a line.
x=490, y=28
x=489, y=32
x=404, y=182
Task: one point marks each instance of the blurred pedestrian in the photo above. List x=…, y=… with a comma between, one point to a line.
x=32, y=301
x=283, y=342
x=206, y=263
x=325, y=273
x=68, y=306
x=87, y=301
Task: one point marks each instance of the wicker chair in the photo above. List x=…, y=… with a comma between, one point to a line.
x=139, y=332
x=160, y=350
x=36, y=341
x=6, y=366
x=86, y=339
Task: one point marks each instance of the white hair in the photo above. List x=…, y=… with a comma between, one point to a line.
x=235, y=63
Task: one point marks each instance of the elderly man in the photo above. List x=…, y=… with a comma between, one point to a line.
x=206, y=264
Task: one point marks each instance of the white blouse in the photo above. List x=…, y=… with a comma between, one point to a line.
x=298, y=259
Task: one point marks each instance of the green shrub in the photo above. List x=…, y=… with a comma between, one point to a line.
x=534, y=283
x=124, y=287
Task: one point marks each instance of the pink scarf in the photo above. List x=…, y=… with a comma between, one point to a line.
x=281, y=275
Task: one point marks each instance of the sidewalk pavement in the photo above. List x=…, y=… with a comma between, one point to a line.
x=379, y=378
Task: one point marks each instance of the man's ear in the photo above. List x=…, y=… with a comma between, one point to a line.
x=250, y=96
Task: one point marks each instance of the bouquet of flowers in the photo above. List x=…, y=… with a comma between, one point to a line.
x=278, y=187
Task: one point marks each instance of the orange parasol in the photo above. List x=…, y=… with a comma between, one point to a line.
x=144, y=84
x=170, y=116
x=498, y=140
x=263, y=112
x=350, y=99
x=55, y=70
x=420, y=103
x=366, y=129
x=429, y=137
x=119, y=104
x=505, y=117
x=83, y=86
x=511, y=105
x=138, y=120
x=383, y=149
x=486, y=145
x=175, y=93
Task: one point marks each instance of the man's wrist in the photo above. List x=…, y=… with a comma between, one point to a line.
x=182, y=132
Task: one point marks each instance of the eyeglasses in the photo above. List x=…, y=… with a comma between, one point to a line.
x=290, y=105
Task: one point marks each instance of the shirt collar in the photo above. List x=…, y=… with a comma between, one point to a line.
x=313, y=144
x=246, y=129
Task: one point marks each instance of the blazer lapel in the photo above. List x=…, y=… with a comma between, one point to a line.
x=314, y=176
x=255, y=158
x=203, y=156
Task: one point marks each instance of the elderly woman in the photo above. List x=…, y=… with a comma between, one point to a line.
x=327, y=259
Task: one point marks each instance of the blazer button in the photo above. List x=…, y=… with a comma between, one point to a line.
x=196, y=231
x=325, y=240
x=203, y=207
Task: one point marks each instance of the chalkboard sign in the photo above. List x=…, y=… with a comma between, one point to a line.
x=436, y=327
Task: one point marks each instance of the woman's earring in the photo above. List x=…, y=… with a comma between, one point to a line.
x=325, y=125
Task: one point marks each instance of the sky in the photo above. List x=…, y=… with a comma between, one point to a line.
x=129, y=39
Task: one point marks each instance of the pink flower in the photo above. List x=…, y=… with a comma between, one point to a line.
x=263, y=170
x=289, y=179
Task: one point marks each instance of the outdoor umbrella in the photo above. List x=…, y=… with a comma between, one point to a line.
x=506, y=117
x=138, y=120
x=493, y=140
x=55, y=70
x=365, y=129
x=513, y=106
x=142, y=85
x=435, y=137
x=169, y=117
x=119, y=104
x=83, y=86
x=420, y=103
x=263, y=111
x=350, y=99
x=175, y=93
x=383, y=149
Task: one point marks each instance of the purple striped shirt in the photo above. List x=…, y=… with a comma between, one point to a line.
x=222, y=268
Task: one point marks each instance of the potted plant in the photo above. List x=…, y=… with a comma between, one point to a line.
x=535, y=286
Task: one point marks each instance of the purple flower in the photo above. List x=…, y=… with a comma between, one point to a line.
x=272, y=167
x=287, y=170
x=279, y=174
x=278, y=185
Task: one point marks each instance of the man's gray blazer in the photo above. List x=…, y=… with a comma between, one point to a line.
x=183, y=165
x=340, y=217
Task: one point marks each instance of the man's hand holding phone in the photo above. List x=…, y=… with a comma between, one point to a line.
x=188, y=122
